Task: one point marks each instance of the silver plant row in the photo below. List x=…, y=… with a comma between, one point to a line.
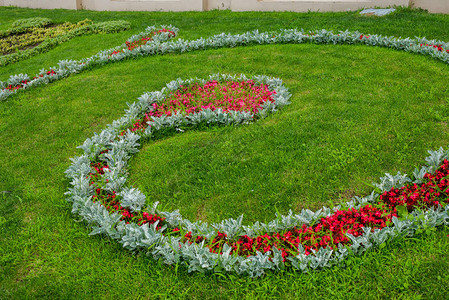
x=197, y=256
x=66, y=68
x=160, y=45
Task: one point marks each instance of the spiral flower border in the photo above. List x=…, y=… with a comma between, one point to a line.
x=434, y=48
x=198, y=258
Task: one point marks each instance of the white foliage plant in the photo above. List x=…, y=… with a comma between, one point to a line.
x=161, y=44
x=171, y=249
x=120, y=148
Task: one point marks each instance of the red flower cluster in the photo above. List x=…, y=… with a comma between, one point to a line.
x=112, y=204
x=142, y=41
x=19, y=86
x=151, y=219
x=329, y=232
x=229, y=96
x=106, y=199
x=428, y=194
x=130, y=46
x=50, y=73
x=24, y=82
x=188, y=237
x=332, y=230
x=439, y=47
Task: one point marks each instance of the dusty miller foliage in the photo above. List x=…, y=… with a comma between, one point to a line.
x=197, y=256
x=160, y=45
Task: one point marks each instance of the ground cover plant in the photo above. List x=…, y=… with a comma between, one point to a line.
x=310, y=142
x=153, y=42
x=306, y=240
x=28, y=37
x=132, y=47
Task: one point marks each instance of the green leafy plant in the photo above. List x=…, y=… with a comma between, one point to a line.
x=342, y=95
x=110, y=26
x=33, y=36
x=36, y=36
x=31, y=23
x=25, y=25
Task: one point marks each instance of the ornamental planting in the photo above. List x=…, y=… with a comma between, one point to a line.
x=400, y=205
x=66, y=68
x=309, y=240
x=131, y=45
x=160, y=45
x=227, y=96
x=33, y=36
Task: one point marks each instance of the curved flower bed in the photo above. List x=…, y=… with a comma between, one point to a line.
x=65, y=68
x=196, y=97
x=307, y=240
x=436, y=49
x=138, y=42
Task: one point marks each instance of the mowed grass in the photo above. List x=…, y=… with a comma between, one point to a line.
x=356, y=113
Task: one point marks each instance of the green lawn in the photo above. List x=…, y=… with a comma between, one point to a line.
x=356, y=113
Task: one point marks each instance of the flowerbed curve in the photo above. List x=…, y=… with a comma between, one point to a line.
x=308, y=240
x=134, y=46
x=160, y=44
